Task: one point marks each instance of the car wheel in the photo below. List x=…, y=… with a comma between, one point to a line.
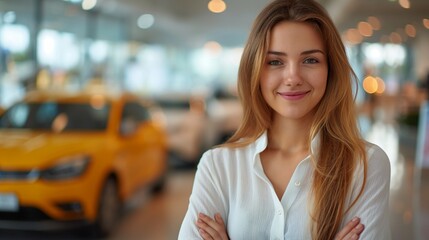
x=108, y=208
x=159, y=185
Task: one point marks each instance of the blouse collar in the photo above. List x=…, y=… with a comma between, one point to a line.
x=261, y=143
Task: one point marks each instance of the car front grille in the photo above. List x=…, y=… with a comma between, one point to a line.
x=25, y=214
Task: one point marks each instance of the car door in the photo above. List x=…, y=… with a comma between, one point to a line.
x=136, y=138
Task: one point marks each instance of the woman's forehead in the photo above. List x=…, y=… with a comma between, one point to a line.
x=289, y=35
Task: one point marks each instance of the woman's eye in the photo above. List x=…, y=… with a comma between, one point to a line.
x=311, y=60
x=274, y=62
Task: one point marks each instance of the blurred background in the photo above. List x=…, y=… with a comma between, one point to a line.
x=182, y=57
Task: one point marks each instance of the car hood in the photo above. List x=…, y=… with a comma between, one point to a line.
x=23, y=149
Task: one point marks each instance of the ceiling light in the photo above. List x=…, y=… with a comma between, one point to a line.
x=9, y=17
x=353, y=36
x=370, y=84
x=375, y=22
x=213, y=46
x=426, y=23
x=410, y=30
x=404, y=3
x=380, y=85
x=88, y=4
x=217, y=6
x=365, y=29
x=145, y=21
x=395, y=38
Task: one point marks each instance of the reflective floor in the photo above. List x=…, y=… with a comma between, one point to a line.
x=409, y=189
x=399, y=145
x=160, y=217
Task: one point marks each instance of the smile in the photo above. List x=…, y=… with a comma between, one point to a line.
x=293, y=95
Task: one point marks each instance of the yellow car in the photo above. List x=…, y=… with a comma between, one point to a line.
x=72, y=160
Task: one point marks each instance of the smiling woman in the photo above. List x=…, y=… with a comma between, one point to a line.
x=297, y=167
x=293, y=78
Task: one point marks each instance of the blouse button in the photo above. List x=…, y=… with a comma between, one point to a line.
x=279, y=212
x=297, y=183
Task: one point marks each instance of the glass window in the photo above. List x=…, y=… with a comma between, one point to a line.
x=56, y=117
x=133, y=114
x=135, y=111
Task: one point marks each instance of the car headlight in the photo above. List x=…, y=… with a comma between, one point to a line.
x=69, y=167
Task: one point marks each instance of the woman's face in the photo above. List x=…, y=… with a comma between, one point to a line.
x=295, y=71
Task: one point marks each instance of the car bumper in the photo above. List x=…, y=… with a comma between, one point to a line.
x=41, y=201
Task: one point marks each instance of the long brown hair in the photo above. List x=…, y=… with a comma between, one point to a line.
x=341, y=146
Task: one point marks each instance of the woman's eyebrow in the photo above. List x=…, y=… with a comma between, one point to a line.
x=277, y=53
x=307, y=52
x=312, y=51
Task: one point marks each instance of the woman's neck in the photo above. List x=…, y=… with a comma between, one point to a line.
x=289, y=135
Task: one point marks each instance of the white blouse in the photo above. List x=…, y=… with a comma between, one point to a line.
x=231, y=181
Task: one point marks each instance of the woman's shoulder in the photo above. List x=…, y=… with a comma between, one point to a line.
x=224, y=155
x=377, y=157
x=378, y=169
x=375, y=151
x=225, y=152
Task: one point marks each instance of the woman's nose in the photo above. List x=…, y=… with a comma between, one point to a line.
x=291, y=75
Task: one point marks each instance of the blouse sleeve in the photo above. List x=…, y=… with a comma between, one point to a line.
x=207, y=197
x=373, y=205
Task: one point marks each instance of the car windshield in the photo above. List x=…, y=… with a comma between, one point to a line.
x=57, y=117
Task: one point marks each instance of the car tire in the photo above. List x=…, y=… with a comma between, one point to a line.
x=109, y=206
x=159, y=185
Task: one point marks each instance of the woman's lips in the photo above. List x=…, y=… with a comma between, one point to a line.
x=293, y=95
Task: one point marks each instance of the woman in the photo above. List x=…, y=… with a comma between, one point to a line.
x=297, y=168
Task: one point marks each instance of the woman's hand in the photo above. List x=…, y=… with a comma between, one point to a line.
x=352, y=230
x=212, y=229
